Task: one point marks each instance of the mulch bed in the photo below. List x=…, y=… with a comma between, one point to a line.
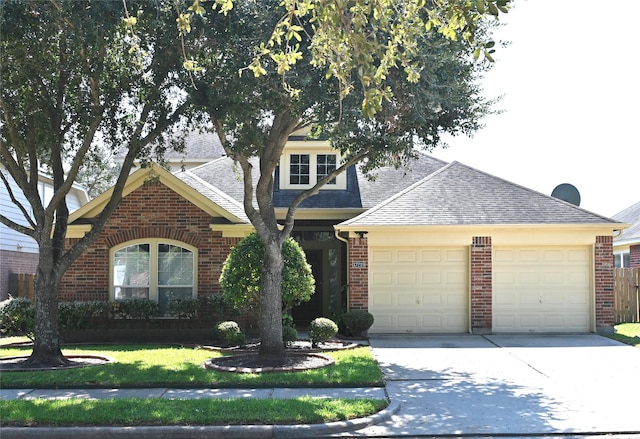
x=18, y=364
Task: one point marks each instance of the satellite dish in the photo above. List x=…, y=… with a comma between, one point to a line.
x=567, y=192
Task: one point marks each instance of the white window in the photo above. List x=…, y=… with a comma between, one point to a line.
x=622, y=260
x=303, y=170
x=325, y=164
x=158, y=270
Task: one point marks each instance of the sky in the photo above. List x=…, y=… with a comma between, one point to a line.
x=570, y=87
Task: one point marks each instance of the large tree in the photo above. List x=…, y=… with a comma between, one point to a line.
x=255, y=114
x=71, y=86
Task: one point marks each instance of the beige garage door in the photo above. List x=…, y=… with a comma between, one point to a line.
x=418, y=290
x=541, y=289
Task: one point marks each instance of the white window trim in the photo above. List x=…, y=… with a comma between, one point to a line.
x=285, y=166
x=153, y=264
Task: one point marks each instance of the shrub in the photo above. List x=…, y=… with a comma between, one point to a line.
x=240, y=277
x=231, y=333
x=17, y=317
x=289, y=331
x=135, y=309
x=357, y=321
x=322, y=329
x=184, y=307
x=80, y=315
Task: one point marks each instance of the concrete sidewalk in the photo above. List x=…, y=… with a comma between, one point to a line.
x=175, y=393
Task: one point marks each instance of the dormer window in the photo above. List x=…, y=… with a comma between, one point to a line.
x=326, y=164
x=303, y=168
x=299, y=169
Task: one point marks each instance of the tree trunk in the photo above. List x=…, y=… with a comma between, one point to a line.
x=46, y=347
x=271, y=344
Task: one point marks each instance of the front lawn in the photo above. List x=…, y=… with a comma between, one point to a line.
x=628, y=333
x=141, y=365
x=175, y=366
x=133, y=411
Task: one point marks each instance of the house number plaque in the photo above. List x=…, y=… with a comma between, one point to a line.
x=358, y=264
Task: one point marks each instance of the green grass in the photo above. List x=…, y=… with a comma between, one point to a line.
x=628, y=333
x=132, y=411
x=171, y=366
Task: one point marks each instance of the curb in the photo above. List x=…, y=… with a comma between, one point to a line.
x=198, y=432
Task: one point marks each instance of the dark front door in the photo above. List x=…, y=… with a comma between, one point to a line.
x=305, y=312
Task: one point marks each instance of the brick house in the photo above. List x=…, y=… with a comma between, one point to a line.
x=434, y=247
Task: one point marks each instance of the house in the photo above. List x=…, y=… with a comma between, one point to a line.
x=18, y=252
x=626, y=245
x=433, y=247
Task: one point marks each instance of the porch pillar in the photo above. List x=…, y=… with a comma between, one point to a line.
x=604, y=284
x=358, y=274
x=481, y=285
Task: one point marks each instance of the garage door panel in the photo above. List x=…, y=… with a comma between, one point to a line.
x=428, y=287
x=542, y=289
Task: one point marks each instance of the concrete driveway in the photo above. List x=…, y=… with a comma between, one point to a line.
x=508, y=385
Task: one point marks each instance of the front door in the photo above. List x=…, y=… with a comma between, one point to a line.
x=305, y=312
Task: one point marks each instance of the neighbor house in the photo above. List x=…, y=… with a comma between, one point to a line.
x=626, y=244
x=432, y=247
x=18, y=252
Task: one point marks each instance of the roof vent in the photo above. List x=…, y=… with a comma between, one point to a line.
x=567, y=192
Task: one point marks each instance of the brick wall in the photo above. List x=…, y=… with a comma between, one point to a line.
x=15, y=262
x=605, y=296
x=481, y=285
x=634, y=256
x=151, y=211
x=358, y=276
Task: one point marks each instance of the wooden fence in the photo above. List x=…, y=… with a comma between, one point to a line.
x=626, y=281
x=22, y=285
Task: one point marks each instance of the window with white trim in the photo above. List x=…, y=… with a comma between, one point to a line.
x=303, y=170
x=325, y=164
x=158, y=270
x=622, y=260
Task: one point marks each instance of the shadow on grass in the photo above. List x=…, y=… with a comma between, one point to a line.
x=138, y=366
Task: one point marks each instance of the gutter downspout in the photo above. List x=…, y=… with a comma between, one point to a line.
x=336, y=232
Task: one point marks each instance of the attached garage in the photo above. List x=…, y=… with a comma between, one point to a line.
x=419, y=289
x=542, y=289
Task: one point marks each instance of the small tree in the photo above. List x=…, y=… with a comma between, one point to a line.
x=241, y=274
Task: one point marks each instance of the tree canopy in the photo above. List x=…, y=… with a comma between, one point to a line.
x=70, y=87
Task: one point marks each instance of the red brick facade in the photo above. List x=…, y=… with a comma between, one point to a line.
x=358, y=274
x=151, y=211
x=481, y=285
x=634, y=256
x=604, y=283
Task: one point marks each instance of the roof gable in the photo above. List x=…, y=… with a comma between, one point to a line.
x=630, y=215
x=460, y=195
x=209, y=200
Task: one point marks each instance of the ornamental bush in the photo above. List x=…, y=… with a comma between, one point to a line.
x=17, y=317
x=322, y=329
x=231, y=333
x=135, y=309
x=357, y=321
x=240, y=277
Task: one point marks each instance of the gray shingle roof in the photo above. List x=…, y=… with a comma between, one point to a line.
x=214, y=194
x=198, y=147
x=360, y=192
x=631, y=215
x=458, y=194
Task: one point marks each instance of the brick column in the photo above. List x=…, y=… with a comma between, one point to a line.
x=481, y=285
x=358, y=274
x=605, y=296
x=634, y=256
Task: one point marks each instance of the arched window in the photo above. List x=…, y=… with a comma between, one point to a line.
x=154, y=269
